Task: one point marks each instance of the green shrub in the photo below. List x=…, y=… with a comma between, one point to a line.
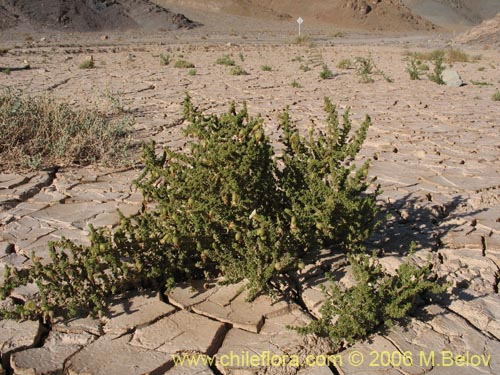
x=6, y=71
x=225, y=205
x=377, y=299
x=326, y=73
x=87, y=64
x=266, y=68
x=165, y=59
x=242, y=57
x=415, y=68
x=302, y=40
x=496, y=96
x=225, y=60
x=39, y=128
x=296, y=85
x=183, y=64
x=437, y=75
x=304, y=68
x=192, y=72
x=238, y=71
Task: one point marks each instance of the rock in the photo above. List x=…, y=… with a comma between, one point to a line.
x=452, y=78
x=181, y=332
x=51, y=357
x=79, y=325
x=111, y=355
x=15, y=336
x=228, y=304
x=135, y=310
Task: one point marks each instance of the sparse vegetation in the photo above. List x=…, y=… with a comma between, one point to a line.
x=302, y=40
x=326, y=73
x=238, y=71
x=481, y=83
x=183, y=64
x=266, y=68
x=416, y=68
x=40, y=132
x=448, y=55
x=225, y=205
x=242, y=57
x=192, y=72
x=225, y=60
x=87, y=64
x=345, y=64
x=304, y=67
x=6, y=71
x=496, y=96
x=298, y=59
x=296, y=85
x=364, y=69
x=437, y=75
x=165, y=59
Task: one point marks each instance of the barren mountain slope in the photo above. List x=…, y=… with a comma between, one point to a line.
x=365, y=14
x=455, y=14
x=488, y=33
x=89, y=15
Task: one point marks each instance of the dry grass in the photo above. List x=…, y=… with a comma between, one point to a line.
x=40, y=133
x=449, y=55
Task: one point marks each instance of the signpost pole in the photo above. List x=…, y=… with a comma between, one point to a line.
x=299, y=21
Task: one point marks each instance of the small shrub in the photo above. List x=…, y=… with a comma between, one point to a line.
x=238, y=71
x=416, y=68
x=302, y=40
x=225, y=205
x=377, y=300
x=304, y=68
x=437, y=75
x=242, y=57
x=448, y=55
x=44, y=133
x=496, y=96
x=192, y=72
x=296, y=85
x=183, y=64
x=266, y=68
x=345, y=64
x=87, y=64
x=225, y=60
x=6, y=71
x=480, y=83
x=298, y=59
x=165, y=59
x=481, y=69
x=326, y=73
x=337, y=34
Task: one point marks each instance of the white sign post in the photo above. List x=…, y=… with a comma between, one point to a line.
x=299, y=21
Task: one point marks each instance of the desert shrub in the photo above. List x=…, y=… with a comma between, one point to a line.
x=448, y=55
x=305, y=68
x=437, y=75
x=296, y=84
x=87, y=64
x=183, y=64
x=302, y=40
x=242, y=56
x=225, y=60
x=192, y=72
x=39, y=128
x=326, y=73
x=415, y=68
x=266, y=68
x=6, y=71
x=225, y=205
x=298, y=59
x=377, y=299
x=345, y=64
x=481, y=83
x=165, y=59
x=496, y=96
x=238, y=71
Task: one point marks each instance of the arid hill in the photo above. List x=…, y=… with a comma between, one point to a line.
x=487, y=33
x=90, y=15
x=455, y=14
x=392, y=15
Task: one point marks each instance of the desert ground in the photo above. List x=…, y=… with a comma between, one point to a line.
x=434, y=149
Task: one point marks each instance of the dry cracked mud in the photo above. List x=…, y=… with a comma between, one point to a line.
x=436, y=154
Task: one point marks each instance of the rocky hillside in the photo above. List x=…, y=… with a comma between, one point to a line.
x=90, y=15
x=391, y=15
x=488, y=33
